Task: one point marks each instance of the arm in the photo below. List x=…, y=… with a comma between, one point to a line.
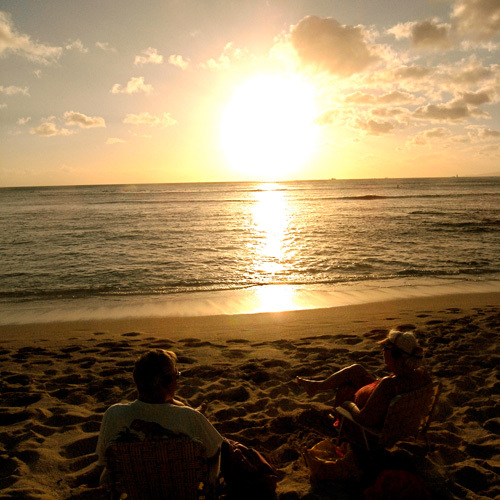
x=373, y=413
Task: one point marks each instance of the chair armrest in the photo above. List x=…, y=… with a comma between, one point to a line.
x=346, y=414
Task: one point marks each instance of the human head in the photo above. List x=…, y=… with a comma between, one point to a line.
x=155, y=373
x=404, y=348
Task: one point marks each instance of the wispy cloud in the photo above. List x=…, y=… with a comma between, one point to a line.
x=230, y=53
x=428, y=136
x=13, y=42
x=394, y=97
x=114, y=140
x=178, y=61
x=145, y=118
x=149, y=56
x=76, y=45
x=105, y=46
x=13, y=90
x=49, y=129
x=135, y=85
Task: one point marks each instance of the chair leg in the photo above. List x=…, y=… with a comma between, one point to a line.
x=366, y=439
x=340, y=431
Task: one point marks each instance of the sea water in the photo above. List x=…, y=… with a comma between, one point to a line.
x=112, y=251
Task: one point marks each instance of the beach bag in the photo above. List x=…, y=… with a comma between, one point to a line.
x=247, y=474
x=398, y=485
x=328, y=462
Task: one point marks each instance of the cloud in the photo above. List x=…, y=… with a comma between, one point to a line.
x=479, y=19
x=83, y=121
x=49, y=129
x=476, y=98
x=375, y=127
x=23, y=121
x=412, y=72
x=134, y=86
x=22, y=45
x=394, y=97
x=454, y=111
x=13, y=90
x=327, y=117
x=76, y=45
x=329, y=46
x=105, y=47
x=149, y=56
x=115, y=140
x=229, y=54
x=400, y=113
x=427, y=136
x=488, y=133
x=178, y=61
x=145, y=118
x=473, y=73
x=428, y=34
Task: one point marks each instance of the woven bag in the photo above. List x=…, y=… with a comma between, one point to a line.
x=328, y=462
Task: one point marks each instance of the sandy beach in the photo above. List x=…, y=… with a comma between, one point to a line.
x=58, y=379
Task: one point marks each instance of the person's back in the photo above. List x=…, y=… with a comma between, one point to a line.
x=155, y=375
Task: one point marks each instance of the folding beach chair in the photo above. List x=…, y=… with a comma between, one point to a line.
x=173, y=469
x=409, y=415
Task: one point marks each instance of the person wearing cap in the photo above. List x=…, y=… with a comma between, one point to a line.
x=366, y=397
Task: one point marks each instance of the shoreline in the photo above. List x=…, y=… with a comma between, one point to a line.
x=338, y=320
x=254, y=300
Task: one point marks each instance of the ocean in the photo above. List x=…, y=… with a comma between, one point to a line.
x=211, y=248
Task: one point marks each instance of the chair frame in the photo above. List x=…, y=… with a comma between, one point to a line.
x=413, y=409
x=174, y=468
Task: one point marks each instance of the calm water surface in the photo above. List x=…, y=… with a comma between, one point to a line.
x=68, y=245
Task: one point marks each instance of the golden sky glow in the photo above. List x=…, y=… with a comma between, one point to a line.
x=130, y=92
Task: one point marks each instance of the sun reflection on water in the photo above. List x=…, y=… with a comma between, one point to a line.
x=270, y=217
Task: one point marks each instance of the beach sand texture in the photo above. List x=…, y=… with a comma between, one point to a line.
x=58, y=379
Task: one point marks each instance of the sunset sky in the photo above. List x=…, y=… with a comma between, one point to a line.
x=121, y=91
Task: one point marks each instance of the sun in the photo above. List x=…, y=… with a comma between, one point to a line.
x=267, y=128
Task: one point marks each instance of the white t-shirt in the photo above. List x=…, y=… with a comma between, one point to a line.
x=173, y=417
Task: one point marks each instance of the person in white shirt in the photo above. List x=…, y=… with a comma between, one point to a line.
x=156, y=376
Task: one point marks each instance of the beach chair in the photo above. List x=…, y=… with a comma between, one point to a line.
x=172, y=469
x=408, y=416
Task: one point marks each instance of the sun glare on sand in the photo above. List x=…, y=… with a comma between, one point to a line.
x=267, y=127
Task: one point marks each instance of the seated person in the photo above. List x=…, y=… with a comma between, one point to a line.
x=156, y=375
x=366, y=397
